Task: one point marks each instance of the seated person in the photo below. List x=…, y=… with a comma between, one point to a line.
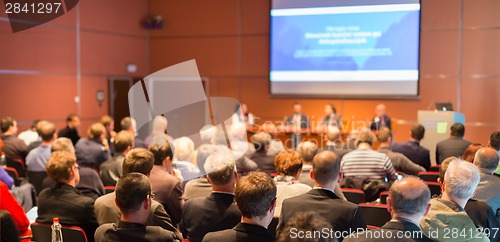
x=399, y=161
x=344, y=216
x=137, y=160
x=470, y=152
x=166, y=187
x=111, y=170
x=38, y=157
x=334, y=144
x=13, y=147
x=408, y=203
x=366, y=169
x=412, y=149
x=454, y=146
x=6, y=178
x=218, y=211
x=488, y=189
x=64, y=200
x=256, y=199
x=90, y=185
x=288, y=169
x=93, y=150
x=184, y=148
x=133, y=198
x=264, y=162
x=9, y=203
x=447, y=212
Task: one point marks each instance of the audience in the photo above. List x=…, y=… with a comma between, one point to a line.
x=412, y=149
x=264, y=162
x=200, y=187
x=276, y=145
x=241, y=148
x=488, y=189
x=307, y=150
x=453, y=146
x=334, y=144
x=494, y=143
x=106, y=211
x=159, y=128
x=13, y=147
x=408, y=203
x=64, y=200
x=111, y=170
x=288, y=169
x=341, y=214
x=130, y=125
x=470, y=152
x=9, y=203
x=399, y=161
x=133, y=198
x=93, y=150
x=184, y=148
x=304, y=223
x=90, y=184
x=480, y=213
x=38, y=157
x=367, y=169
x=71, y=129
x=166, y=187
x=447, y=212
x=8, y=231
x=30, y=135
x=255, y=196
x=242, y=115
x=109, y=124
x=217, y=211
x=380, y=119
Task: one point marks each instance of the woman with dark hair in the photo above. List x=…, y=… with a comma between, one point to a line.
x=470, y=152
x=331, y=118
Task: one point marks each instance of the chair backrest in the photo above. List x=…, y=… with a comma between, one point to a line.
x=383, y=197
x=435, y=168
x=36, y=178
x=43, y=233
x=13, y=173
x=273, y=225
x=435, y=188
x=430, y=176
x=109, y=189
x=354, y=195
x=18, y=165
x=375, y=214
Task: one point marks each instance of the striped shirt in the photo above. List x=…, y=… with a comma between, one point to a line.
x=367, y=163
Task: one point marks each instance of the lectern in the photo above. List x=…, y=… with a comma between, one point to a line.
x=437, y=128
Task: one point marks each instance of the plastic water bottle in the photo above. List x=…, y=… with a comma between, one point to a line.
x=56, y=231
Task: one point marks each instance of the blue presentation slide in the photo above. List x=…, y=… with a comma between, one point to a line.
x=361, y=43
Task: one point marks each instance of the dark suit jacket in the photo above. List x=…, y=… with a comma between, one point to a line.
x=106, y=211
x=378, y=125
x=413, y=151
x=483, y=216
x=453, y=146
x=391, y=229
x=69, y=133
x=241, y=233
x=401, y=162
x=90, y=184
x=14, y=147
x=111, y=170
x=168, y=192
x=203, y=215
x=133, y=232
x=69, y=205
x=342, y=215
x=264, y=162
x=90, y=153
x=304, y=121
x=198, y=187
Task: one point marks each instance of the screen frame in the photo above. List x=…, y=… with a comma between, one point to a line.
x=337, y=96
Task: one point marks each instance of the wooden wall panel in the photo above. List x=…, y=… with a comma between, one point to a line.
x=481, y=52
x=481, y=13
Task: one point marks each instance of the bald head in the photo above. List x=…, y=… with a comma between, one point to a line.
x=486, y=159
x=409, y=196
x=380, y=110
x=326, y=167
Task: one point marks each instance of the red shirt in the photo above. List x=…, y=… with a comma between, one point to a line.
x=9, y=203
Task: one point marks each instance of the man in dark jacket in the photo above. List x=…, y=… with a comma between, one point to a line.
x=453, y=146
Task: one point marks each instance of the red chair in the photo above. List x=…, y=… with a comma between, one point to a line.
x=43, y=233
x=383, y=197
x=18, y=165
x=375, y=214
x=435, y=168
x=354, y=195
x=109, y=189
x=13, y=173
x=435, y=188
x=430, y=176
